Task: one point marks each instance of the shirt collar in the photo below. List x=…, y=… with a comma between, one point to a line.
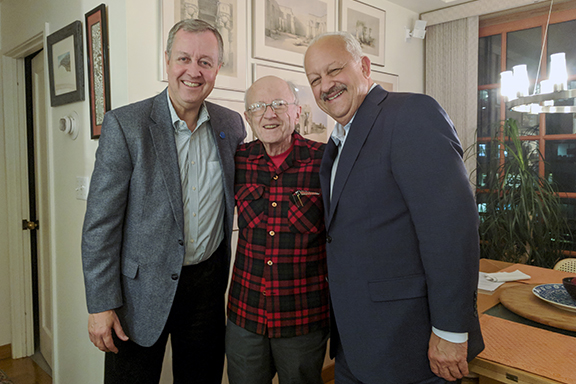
x=340, y=132
x=178, y=124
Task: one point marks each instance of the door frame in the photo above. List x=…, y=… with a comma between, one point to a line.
x=13, y=76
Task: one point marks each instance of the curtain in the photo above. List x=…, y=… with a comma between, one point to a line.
x=452, y=77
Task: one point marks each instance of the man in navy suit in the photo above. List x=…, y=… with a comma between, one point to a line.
x=156, y=237
x=401, y=226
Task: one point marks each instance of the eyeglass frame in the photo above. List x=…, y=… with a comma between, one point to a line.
x=265, y=107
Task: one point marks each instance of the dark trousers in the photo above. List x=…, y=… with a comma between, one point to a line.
x=255, y=359
x=196, y=325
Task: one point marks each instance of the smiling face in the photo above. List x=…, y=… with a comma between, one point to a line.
x=192, y=68
x=274, y=129
x=339, y=83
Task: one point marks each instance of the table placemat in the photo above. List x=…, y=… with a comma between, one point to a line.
x=533, y=350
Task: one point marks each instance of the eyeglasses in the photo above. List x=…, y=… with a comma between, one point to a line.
x=259, y=108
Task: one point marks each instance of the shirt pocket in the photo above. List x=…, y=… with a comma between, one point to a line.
x=306, y=214
x=251, y=205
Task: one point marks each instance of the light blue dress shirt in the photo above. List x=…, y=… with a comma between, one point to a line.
x=202, y=186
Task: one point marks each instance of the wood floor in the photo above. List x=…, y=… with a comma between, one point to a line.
x=24, y=371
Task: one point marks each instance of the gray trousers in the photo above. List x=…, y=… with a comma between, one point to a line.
x=255, y=359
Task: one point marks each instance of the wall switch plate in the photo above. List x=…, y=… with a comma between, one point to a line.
x=82, y=185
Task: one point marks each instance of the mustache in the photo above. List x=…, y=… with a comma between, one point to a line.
x=335, y=89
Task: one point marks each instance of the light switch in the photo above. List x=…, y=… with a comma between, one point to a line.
x=82, y=185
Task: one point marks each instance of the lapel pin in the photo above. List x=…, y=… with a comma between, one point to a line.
x=222, y=135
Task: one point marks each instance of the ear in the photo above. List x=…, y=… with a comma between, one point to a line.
x=366, y=66
x=298, y=112
x=166, y=59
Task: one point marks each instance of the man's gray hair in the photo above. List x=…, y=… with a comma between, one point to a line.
x=352, y=45
x=292, y=87
x=195, y=26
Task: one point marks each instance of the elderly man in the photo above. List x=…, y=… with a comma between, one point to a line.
x=156, y=238
x=278, y=302
x=401, y=224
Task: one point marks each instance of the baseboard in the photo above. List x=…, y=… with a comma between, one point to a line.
x=6, y=351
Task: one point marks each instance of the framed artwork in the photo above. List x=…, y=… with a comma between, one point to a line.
x=229, y=17
x=314, y=123
x=98, y=67
x=238, y=106
x=283, y=29
x=388, y=81
x=368, y=24
x=66, y=65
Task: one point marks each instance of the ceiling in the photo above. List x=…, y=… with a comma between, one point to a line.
x=422, y=6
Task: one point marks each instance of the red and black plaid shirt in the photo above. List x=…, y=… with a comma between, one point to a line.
x=279, y=283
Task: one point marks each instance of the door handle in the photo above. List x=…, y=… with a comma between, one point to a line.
x=29, y=225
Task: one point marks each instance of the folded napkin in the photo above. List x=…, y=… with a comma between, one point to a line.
x=506, y=276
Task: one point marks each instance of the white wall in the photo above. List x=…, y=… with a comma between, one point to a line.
x=5, y=322
x=134, y=51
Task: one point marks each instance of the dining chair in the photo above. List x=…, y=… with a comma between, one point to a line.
x=566, y=265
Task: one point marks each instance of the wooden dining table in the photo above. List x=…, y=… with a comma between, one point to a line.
x=520, y=349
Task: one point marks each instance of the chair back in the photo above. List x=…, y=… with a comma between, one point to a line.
x=566, y=265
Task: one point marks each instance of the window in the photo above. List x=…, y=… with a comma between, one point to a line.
x=518, y=39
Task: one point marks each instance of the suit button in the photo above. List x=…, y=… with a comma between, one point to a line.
x=174, y=276
x=180, y=242
x=328, y=239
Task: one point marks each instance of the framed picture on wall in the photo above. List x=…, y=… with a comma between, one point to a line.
x=314, y=123
x=368, y=25
x=284, y=28
x=98, y=67
x=66, y=65
x=388, y=81
x=238, y=106
x=229, y=17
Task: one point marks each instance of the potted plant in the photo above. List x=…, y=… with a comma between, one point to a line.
x=521, y=218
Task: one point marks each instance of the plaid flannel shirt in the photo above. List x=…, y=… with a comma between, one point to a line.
x=279, y=285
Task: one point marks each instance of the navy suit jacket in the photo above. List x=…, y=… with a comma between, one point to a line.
x=133, y=237
x=403, y=248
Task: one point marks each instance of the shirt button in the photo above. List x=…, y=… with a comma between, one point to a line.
x=192, y=162
x=271, y=233
x=194, y=214
x=274, y=204
x=192, y=240
x=193, y=188
x=270, y=262
x=264, y=293
x=275, y=177
x=328, y=239
x=174, y=276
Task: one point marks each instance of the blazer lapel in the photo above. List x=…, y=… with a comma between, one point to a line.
x=361, y=127
x=325, y=174
x=162, y=133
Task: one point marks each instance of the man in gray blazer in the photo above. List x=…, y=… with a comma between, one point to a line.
x=158, y=225
x=402, y=227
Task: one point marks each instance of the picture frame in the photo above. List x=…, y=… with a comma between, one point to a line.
x=314, y=123
x=285, y=40
x=368, y=25
x=98, y=67
x=66, y=65
x=388, y=81
x=229, y=17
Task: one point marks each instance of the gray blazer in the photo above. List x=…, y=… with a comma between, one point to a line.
x=133, y=237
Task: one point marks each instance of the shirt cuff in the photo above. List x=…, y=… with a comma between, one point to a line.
x=451, y=336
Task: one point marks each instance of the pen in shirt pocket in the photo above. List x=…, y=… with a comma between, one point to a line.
x=297, y=196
